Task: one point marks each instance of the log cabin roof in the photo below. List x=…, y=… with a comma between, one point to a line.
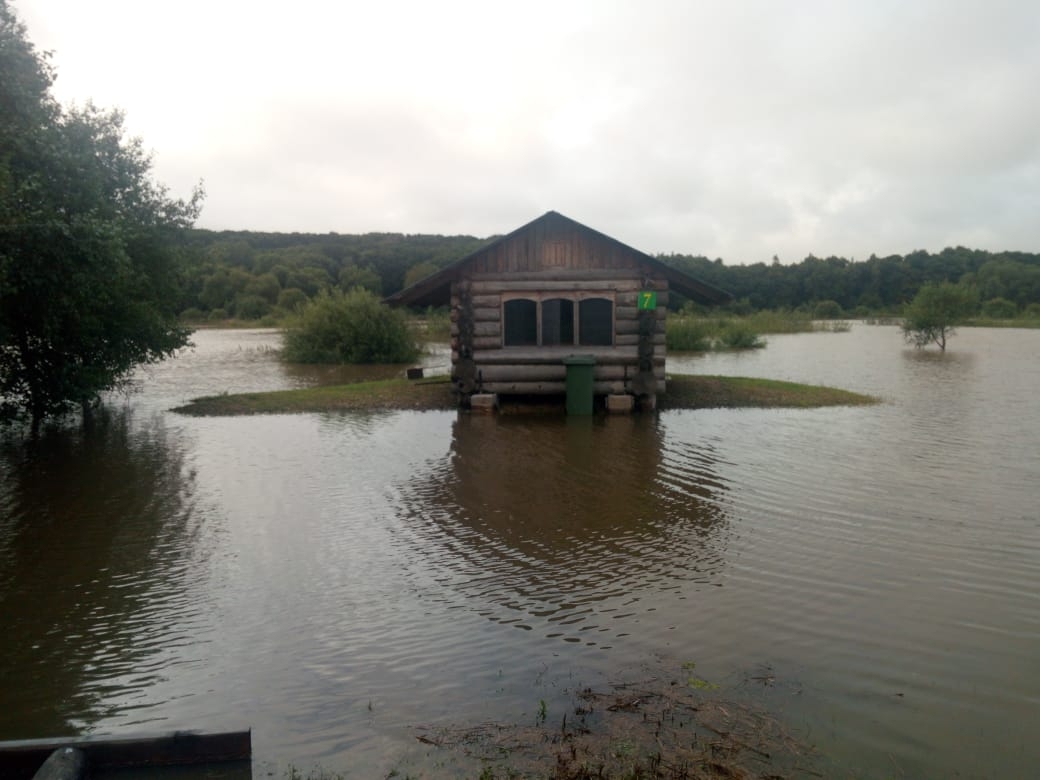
x=435, y=289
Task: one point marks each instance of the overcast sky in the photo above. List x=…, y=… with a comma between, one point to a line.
x=739, y=130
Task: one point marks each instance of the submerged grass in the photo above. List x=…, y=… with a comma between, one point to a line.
x=655, y=727
x=664, y=725
x=1023, y=321
x=684, y=392
x=703, y=333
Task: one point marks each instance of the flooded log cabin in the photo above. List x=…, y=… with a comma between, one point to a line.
x=552, y=290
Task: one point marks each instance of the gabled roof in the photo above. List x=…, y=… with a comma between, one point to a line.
x=435, y=289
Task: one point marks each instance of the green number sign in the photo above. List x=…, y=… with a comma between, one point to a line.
x=647, y=300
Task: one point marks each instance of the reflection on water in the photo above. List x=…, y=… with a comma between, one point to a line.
x=559, y=526
x=97, y=547
x=335, y=580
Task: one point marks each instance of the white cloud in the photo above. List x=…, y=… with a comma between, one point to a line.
x=739, y=130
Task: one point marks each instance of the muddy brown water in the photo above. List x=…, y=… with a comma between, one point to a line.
x=338, y=581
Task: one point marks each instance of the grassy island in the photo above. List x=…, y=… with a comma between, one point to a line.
x=684, y=392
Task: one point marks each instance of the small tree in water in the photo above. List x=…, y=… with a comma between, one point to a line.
x=351, y=327
x=935, y=310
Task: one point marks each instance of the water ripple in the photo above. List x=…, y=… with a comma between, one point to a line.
x=610, y=515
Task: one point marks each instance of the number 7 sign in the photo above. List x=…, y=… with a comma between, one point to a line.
x=647, y=300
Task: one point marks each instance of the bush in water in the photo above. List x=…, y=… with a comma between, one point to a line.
x=688, y=334
x=351, y=327
x=738, y=335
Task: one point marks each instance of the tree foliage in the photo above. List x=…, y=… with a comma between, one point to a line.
x=934, y=312
x=419, y=272
x=352, y=276
x=352, y=327
x=89, y=279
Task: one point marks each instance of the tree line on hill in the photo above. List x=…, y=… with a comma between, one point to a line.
x=252, y=276
x=878, y=284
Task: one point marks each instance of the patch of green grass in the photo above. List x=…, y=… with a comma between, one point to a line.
x=684, y=392
x=706, y=392
x=434, y=393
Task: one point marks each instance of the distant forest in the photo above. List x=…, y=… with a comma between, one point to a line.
x=250, y=275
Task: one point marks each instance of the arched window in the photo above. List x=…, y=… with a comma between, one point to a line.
x=557, y=322
x=596, y=322
x=521, y=323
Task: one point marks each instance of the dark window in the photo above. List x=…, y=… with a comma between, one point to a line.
x=557, y=322
x=521, y=326
x=596, y=322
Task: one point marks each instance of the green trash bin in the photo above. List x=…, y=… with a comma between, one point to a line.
x=579, y=383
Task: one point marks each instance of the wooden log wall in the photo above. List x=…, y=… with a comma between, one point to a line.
x=476, y=333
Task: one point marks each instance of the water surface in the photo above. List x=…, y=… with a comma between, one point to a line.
x=335, y=581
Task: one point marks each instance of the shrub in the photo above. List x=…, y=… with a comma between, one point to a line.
x=352, y=327
x=999, y=309
x=737, y=335
x=688, y=334
x=827, y=310
x=192, y=315
x=218, y=314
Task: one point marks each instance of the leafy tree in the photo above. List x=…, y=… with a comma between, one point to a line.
x=89, y=252
x=292, y=299
x=234, y=253
x=251, y=307
x=935, y=310
x=217, y=290
x=419, y=272
x=351, y=327
x=352, y=276
x=309, y=279
x=265, y=286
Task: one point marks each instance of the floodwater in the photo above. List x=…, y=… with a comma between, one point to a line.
x=337, y=581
